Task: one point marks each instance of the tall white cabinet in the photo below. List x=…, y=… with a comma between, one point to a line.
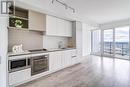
x=87, y=39
x=77, y=39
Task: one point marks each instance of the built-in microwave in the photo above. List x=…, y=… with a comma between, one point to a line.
x=19, y=64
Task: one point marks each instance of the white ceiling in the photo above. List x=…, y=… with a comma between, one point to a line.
x=56, y=9
x=102, y=11
x=92, y=11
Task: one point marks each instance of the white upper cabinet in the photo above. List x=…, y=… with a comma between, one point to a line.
x=51, y=25
x=68, y=28
x=58, y=27
x=37, y=21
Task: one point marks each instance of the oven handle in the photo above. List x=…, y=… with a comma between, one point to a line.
x=39, y=59
x=43, y=57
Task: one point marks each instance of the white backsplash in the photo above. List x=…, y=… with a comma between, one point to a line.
x=51, y=42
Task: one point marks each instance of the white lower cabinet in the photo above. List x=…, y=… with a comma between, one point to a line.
x=66, y=58
x=19, y=76
x=62, y=59
x=75, y=58
x=57, y=60
x=54, y=60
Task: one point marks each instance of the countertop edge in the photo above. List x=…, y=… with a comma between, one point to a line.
x=31, y=53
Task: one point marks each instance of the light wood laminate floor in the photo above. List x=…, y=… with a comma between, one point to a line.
x=92, y=72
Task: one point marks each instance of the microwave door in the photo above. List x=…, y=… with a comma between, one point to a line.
x=16, y=65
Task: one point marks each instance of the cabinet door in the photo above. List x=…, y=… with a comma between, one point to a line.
x=64, y=28
x=55, y=61
x=51, y=25
x=61, y=27
x=37, y=21
x=68, y=28
x=75, y=58
x=58, y=27
x=66, y=58
x=19, y=76
x=79, y=38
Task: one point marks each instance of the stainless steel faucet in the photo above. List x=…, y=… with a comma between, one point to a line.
x=60, y=44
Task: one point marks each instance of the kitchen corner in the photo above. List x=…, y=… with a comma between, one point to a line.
x=36, y=49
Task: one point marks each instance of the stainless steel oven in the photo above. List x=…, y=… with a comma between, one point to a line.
x=19, y=64
x=39, y=64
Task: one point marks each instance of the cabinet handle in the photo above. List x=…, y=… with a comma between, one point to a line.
x=74, y=56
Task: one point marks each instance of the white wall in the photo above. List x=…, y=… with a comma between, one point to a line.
x=115, y=24
x=3, y=51
x=51, y=42
x=86, y=39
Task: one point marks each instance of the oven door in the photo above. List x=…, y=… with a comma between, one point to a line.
x=39, y=64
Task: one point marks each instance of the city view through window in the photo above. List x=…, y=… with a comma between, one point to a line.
x=115, y=42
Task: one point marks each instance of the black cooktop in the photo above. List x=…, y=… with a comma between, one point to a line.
x=37, y=50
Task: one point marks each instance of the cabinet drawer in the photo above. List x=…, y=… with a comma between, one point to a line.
x=74, y=53
x=19, y=76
